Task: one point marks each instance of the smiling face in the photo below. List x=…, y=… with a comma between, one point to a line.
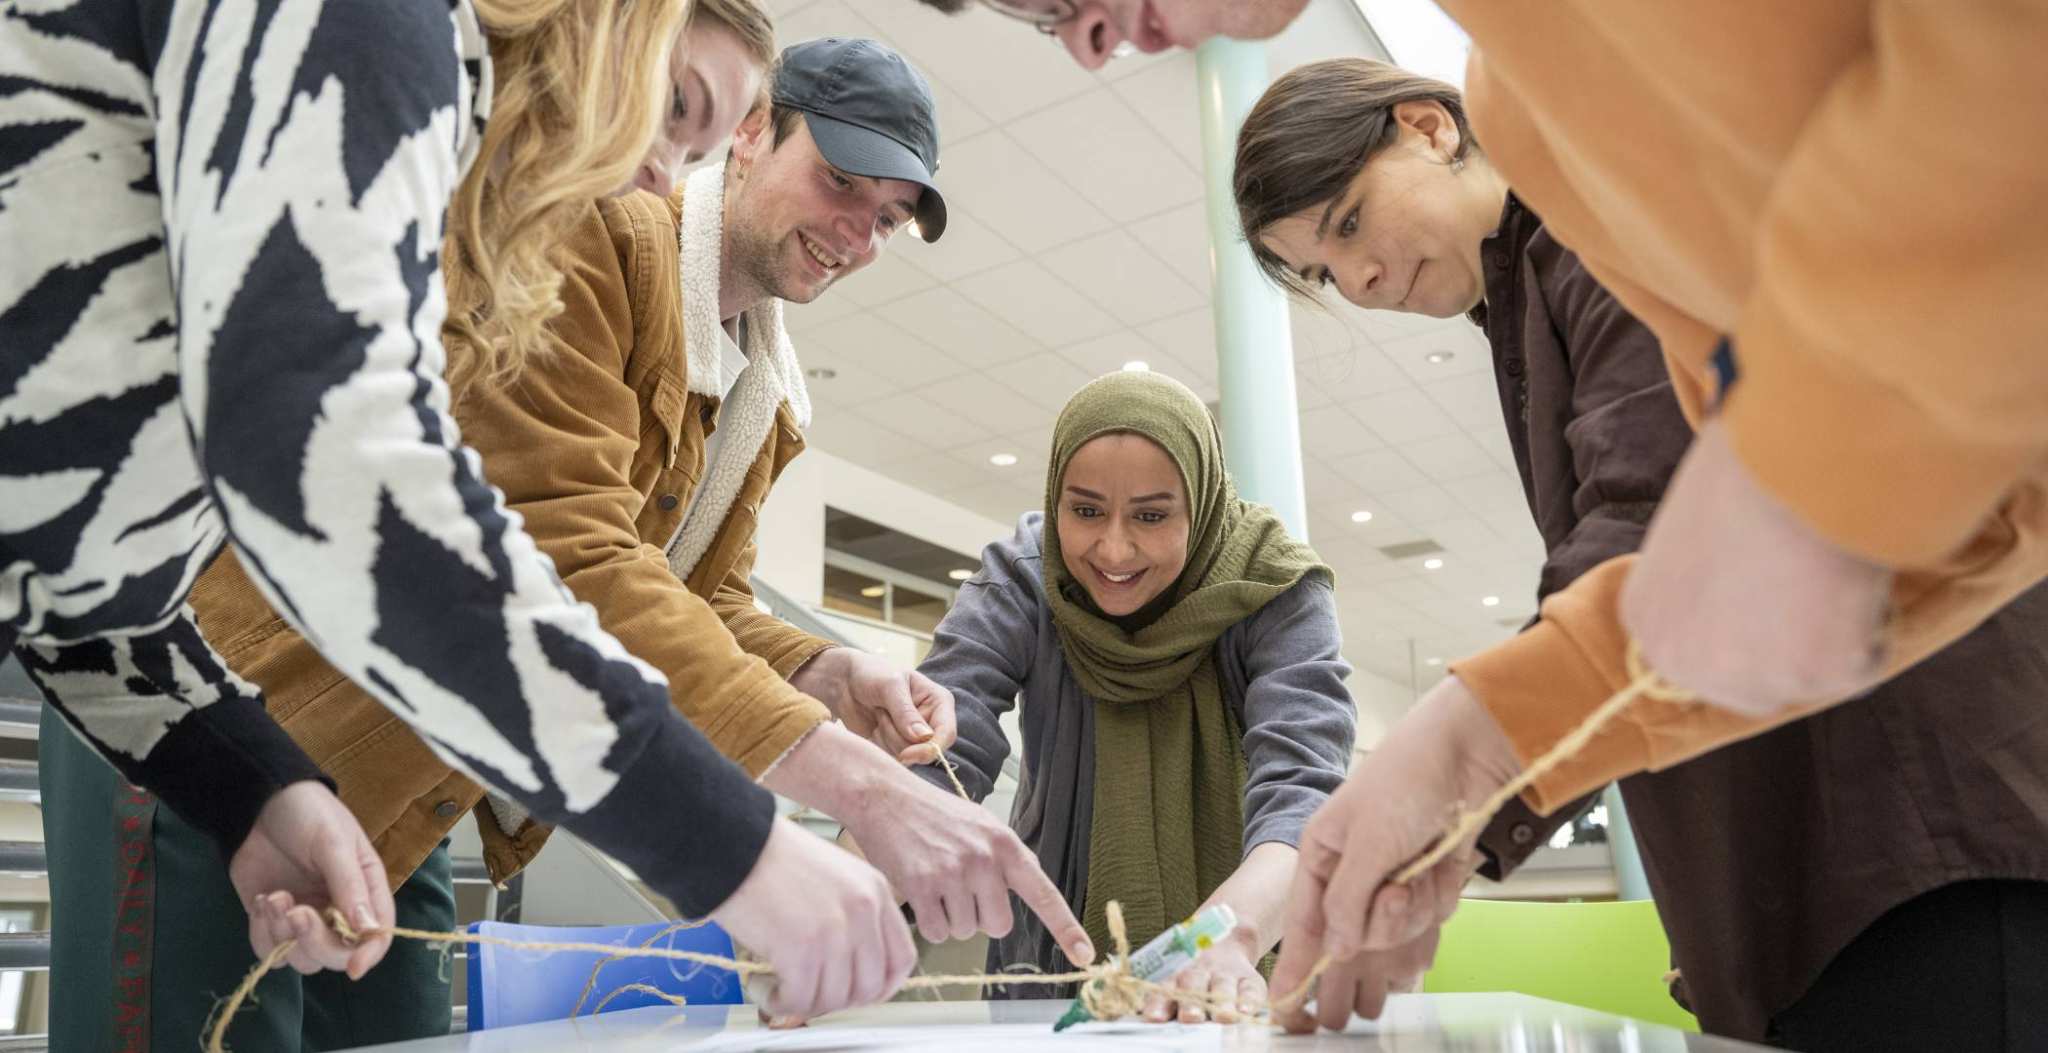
x=1123, y=521
x=795, y=223
x=714, y=81
x=1404, y=234
x=1155, y=25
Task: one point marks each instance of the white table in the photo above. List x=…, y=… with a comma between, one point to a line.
x=1451, y=1023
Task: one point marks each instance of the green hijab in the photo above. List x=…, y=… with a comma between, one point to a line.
x=1168, y=824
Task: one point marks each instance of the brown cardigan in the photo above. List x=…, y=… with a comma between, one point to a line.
x=1840, y=188
x=599, y=446
x=1767, y=856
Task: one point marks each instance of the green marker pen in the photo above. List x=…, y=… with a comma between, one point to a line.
x=1168, y=953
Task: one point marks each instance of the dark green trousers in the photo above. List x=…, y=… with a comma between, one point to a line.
x=147, y=933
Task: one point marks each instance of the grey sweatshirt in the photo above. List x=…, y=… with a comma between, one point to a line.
x=1280, y=670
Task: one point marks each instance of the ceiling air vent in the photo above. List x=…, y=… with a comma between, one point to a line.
x=1411, y=549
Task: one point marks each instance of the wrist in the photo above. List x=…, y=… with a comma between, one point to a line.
x=823, y=677
x=835, y=772
x=1489, y=755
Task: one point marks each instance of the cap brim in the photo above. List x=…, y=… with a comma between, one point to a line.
x=852, y=148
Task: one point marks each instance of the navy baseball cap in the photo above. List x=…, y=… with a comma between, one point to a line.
x=870, y=113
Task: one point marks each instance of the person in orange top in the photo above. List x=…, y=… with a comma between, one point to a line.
x=1820, y=211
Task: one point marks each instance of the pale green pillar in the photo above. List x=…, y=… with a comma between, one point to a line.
x=1254, y=343
x=1621, y=842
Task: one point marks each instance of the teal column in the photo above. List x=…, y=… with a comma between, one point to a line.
x=1621, y=841
x=1254, y=342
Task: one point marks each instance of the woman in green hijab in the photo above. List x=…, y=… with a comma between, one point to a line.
x=1174, y=657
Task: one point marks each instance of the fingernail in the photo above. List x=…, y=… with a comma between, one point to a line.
x=1086, y=950
x=921, y=728
x=364, y=920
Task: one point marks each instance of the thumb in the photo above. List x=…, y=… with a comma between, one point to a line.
x=894, y=700
x=936, y=703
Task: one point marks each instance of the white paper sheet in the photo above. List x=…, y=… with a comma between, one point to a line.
x=978, y=1038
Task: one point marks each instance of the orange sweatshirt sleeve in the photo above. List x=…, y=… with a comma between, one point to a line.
x=1894, y=349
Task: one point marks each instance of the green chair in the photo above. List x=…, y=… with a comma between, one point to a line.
x=1606, y=956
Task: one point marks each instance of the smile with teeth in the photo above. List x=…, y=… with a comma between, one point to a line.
x=825, y=259
x=1118, y=579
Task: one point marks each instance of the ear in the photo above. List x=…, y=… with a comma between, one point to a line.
x=1429, y=119
x=751, y=138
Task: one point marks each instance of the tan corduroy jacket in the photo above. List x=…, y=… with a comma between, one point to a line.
x=1849, y=191
x=599, y=445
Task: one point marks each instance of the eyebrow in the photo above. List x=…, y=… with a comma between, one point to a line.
x=1163, y=495
x=909, y=208
x=1323, y=227
x=710, y=104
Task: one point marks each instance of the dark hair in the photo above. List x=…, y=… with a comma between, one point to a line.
x=948, y=7
x=1311, y=133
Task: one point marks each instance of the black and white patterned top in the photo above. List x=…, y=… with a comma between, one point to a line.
x=220, y=302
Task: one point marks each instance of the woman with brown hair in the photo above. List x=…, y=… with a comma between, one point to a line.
x=224, y=324
x=1805, y=894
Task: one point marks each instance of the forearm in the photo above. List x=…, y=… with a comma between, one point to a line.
x=836, y=772
x=1257, y=893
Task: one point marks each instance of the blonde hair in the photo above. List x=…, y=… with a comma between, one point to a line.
x=580, y=87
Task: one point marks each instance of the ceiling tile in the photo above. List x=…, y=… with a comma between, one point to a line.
x=969, y=247
x=1123, y=278
x=1032, y=299
x=1351, y=376
x=1495, y=442
x=816, y=316
x=1319, y=333
x=889, y=351
x=1180, y=238
x=989, y=404
x=1029, y=450
x=1404, y=416
x=1108, y=353
x=1114, y=160
x=1331, y=431
x=855, y=438
x=959, y=327
x=1164, y=96
x=889, y=278
x=852, y=383
x=924, y=422
x=1472, y=399
x=1453, y=456
x=1003, y=185
x=1002, y=502
x=1455, y=337
x=1189, y=338
x=1047, y=380
x=1424, y=506
x=824, y=18
x=938, y=475
x=1379, y=471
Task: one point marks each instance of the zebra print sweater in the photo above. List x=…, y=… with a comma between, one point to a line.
x=220, y=304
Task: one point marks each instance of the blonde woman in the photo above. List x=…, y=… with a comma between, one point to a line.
x=223, y=310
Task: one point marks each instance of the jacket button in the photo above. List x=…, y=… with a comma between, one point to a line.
x=446, y=809
x=668, y=502
x=1522, y=833
x=1500, y=259
x=1514, y=367
x=706, y=414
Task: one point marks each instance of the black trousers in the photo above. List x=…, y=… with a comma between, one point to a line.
x=1963, y=968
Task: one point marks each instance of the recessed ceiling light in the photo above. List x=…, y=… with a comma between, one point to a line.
x=821, y=373
x=1489, y=601
x=874, y=592
x=959, y=574
x=1137, y=366
x=1432, y=661
x=1002, y=460
x=1361, y=516
x=1432, y=564
x=1437, y=358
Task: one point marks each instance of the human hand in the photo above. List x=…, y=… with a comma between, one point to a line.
x=1226, y=980
x=1738, y=602
x=1445, y=755
x=1360, y=984
x=900, y=710
x=826, y=923
x=956, y=864
x=305, y=854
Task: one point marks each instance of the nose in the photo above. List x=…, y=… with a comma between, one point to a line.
x=1361, y=283
x=653, y=177
x=1116, y=544
x=1090, y=36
